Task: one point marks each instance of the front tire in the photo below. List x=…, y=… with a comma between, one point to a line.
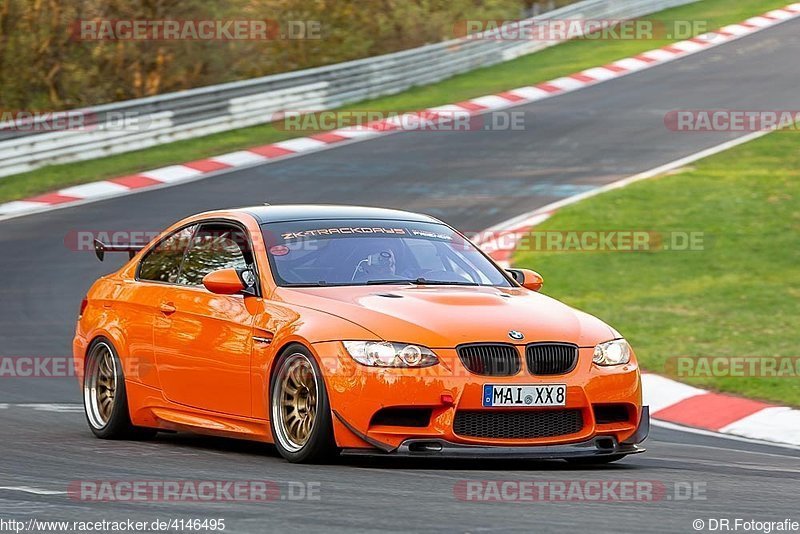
x=105, y=399
x=300, y=415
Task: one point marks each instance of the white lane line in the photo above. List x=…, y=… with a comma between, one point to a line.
x=718, y=463
x=715, y=448
x=44, y=407
x=35, y=491
x=701, y=432
x=512, y=223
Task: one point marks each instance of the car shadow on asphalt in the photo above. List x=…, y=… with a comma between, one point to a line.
x=449, y=464
x=258, y=449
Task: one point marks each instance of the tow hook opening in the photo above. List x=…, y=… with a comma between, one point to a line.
x=425, y=446
x=605, y=444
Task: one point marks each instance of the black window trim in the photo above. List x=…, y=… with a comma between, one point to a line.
x=186, y=253
x=199, y=224
x=156, y=244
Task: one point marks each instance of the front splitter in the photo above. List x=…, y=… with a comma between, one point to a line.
x=437, y=448
x=597, y=447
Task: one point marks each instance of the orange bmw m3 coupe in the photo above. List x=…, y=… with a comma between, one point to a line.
x=347, y=330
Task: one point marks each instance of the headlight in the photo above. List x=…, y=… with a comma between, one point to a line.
x=616, y=352
x=385, y=354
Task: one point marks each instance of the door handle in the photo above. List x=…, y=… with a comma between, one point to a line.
x=167, y=308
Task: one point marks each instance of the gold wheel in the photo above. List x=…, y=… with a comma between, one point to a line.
x=100, y=385
x=294, y=402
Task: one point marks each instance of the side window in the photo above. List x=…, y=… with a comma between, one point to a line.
x=163, y=262
x=215, y=246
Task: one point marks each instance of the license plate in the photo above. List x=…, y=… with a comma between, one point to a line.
x=539, y=395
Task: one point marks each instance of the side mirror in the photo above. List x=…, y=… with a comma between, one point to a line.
x=527, y=278
x=230, y=281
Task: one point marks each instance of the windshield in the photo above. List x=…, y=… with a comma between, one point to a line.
x=364, y=252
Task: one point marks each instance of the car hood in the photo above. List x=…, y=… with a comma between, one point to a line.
x=447, y=316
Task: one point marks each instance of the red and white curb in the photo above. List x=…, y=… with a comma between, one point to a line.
x=687, y=406
x=672, y=404
x=196, y=170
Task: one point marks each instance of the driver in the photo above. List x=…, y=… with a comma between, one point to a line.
x=379, y=265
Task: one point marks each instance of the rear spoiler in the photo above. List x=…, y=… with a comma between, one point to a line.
x=101, y=248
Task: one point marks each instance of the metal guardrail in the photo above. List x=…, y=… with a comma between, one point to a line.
x=136, y=124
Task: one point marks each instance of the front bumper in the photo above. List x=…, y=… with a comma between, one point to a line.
x=597, y=447
x=357, y=393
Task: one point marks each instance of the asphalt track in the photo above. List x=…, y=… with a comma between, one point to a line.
x=571, y=143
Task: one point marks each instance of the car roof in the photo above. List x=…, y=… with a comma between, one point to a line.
x=309, y=212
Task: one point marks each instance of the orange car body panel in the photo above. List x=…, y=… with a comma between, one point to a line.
x=190, y=361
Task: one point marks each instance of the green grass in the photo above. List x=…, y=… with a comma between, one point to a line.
x=740, y=296
x=551, y=63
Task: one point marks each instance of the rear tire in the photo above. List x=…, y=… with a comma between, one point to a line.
x=596, y=460
x=105, y=399
x=300, y=413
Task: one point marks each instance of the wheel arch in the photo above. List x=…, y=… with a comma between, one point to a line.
x=114, y=336
x=284, y=347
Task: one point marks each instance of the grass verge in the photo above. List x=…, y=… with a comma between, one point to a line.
x=554, y=62
x=737, y=296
